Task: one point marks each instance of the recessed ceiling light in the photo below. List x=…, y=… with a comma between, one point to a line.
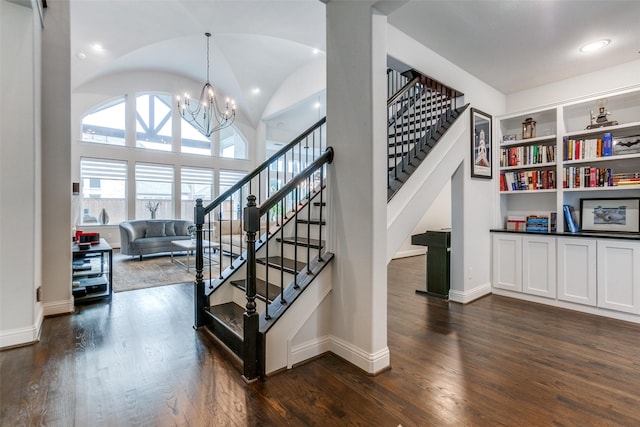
x=316, y=51
x=97, y=47
x=81, y=55
x=255, y=90
x=317, y=105
x=590, y=47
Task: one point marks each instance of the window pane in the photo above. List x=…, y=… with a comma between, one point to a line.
x=154, y=191
x=232, y=208
x=195, y=184
x=104, y=186
x=105, y=125
x=153, y=122
x=232, y=144
x=193, y=141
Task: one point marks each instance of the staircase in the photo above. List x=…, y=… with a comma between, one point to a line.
x=419, y=114
x=266, y=254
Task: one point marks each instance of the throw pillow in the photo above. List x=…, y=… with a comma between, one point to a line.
x=155, y=228
x=169, y=228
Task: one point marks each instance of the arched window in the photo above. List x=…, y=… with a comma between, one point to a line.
x=193, y=141
x=105, y=124
x=232, y=144
x=153, y=121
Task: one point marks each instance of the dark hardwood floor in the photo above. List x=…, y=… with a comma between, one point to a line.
x=496, y=361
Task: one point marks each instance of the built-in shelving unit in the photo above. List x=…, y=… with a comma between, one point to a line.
x=545, y=185
x=592, y=272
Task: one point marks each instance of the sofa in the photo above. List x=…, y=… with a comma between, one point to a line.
x=151, y=236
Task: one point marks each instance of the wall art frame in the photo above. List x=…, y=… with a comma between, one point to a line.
x=481, y=144
x=621, y=214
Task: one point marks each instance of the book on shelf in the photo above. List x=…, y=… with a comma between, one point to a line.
x=607, y=144
x=528, y=180
x=516, y=222
x=585, y=177
x=569, y=219
x=536, y=221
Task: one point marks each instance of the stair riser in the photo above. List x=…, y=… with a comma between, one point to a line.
x=240, y=298
x=274, y=275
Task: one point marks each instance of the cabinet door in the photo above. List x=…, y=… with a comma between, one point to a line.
x=577, y=270
x=507, y=261
x=539, y=265
x=619, y=275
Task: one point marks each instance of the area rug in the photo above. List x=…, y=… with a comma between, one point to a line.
x=154, y=270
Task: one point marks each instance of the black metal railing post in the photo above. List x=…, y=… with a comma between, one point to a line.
x=200, y=300
x=251, y=317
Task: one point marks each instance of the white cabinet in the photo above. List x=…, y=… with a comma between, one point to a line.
x=525, y=263
x=619, y=275
x=507, y=261
x=577, y=270
x=539, y=265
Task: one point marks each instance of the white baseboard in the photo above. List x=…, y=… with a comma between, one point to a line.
x=409, y=253
x=470, y=295
x=20, y=336
x=58, y=307
x=308, y=350
x=371, y=363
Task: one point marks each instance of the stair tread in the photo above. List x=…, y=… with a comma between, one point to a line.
x=311, y=221
x=231, y=314
x=287, y=263
x=261, y=288
x=302, y=241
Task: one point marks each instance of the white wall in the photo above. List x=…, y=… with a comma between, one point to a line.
x=20, y=189
x=437, y=217
x=591, y=84
x=476, y=195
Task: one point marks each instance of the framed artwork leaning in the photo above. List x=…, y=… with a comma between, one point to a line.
x=617, y=214
x=481, y=144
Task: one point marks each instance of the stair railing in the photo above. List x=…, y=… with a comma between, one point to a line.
x=415, y=112
x=219, y=235
x=313, y=177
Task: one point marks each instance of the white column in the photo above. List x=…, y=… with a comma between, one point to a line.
x=356, y=116
x=56, y=154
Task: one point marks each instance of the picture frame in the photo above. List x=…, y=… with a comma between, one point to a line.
x=481, y=144
x=621, y=214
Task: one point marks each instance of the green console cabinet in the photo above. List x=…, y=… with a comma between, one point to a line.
x=438, y=261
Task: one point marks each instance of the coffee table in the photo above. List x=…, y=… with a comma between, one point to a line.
x=189, y=246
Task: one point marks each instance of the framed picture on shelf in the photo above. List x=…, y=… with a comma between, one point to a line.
x=619, y=214
x=481, y=144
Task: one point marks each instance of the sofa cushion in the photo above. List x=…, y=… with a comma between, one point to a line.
x=155, y=229
x=169, y=228
x=181, y=227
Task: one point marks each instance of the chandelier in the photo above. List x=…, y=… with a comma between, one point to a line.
x=204, y=114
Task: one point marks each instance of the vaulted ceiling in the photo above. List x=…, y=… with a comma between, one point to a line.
x=512, y=45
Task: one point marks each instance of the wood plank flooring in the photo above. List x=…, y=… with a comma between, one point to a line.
x=496, y=361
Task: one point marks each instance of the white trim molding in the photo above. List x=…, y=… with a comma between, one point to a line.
x=371, y=363
x=307, y=350
x=20, y=336
x=465, y=297
x=58, y=307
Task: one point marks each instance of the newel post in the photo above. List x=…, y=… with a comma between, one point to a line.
x=251, y=317
x=200, y=300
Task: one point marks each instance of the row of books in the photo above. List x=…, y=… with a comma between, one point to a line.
x=528, y=180
x=587, y=149
x=586, y=177
x=626, y=178
x=527, y=155
x=537, y=223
